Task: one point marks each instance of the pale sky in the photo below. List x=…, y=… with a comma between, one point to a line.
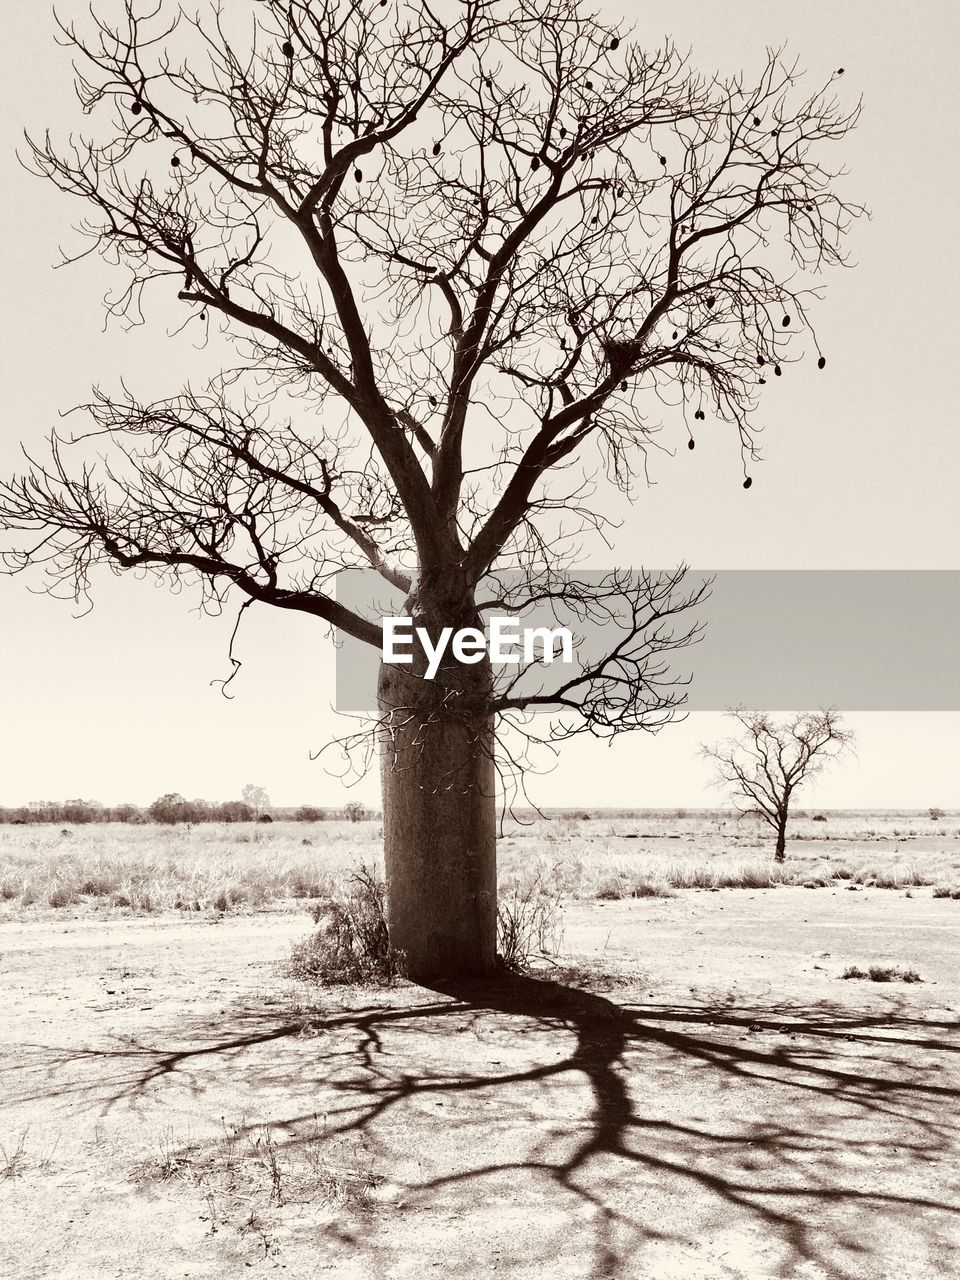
x=861, y=465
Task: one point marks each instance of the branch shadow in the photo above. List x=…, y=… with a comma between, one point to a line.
x=817, y=1132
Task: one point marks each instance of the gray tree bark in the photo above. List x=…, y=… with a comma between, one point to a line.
x=439, y=813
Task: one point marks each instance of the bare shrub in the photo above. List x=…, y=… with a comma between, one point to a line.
x=529, y=921
x=352, y=943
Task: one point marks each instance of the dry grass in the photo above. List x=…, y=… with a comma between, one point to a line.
x=18, y=1156
x=210, y=868
x=882, y=973
x=217, y=868
x=243, y=1179
x=529, y=918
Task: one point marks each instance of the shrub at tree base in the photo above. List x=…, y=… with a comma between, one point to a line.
x=352, y=942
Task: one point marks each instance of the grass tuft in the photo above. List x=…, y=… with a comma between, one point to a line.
x=882, y=973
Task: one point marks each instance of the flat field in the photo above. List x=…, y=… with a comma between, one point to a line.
x=694, y=1091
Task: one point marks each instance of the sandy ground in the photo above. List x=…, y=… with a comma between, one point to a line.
x=700, y=1095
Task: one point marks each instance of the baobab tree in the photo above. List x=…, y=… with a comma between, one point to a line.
x=768, y=762
x=468, y=256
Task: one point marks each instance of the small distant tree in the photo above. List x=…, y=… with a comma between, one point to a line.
x=234, y=811
x=354, y=810
x=124, y=813
x=936, y=814
x=256, y=797
x=309, y=813
x=170, y=808
x=765, y=764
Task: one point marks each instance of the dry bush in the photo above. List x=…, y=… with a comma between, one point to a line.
x=882, y=973
x=896, y=877
x=529, y=920
x=628, y=883
x=352, y=942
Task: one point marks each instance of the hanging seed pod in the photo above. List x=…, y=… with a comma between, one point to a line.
x=136, y=106
x=436, y=148
x=760, y=362
x=675, y=335
x=691, y=443
x=287, y=49
x=777, y=370
x=748, y=482
x=822, y=362
x=203, y=315
x=756, y=120
x=535, y=163
x=762, y=381
x=357, y=175
x=563, y=132
x=614, y=43
x=594, y=220
x=786, y=322
x=589, y=84
x=711, y=301
x=433, y=401
x=175, y=162
x=623, y=386
x=839, y=71
x=663, y=160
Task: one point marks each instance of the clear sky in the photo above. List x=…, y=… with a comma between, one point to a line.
x=861, y=468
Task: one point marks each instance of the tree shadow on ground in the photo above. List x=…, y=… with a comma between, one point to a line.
x=820, y=1130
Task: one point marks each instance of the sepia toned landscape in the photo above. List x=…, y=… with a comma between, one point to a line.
x=490, y=428
x=686, y=1084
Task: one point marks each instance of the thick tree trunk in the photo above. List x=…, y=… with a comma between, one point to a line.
x=439, y=816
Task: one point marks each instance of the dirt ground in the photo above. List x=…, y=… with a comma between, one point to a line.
x=698, y=1095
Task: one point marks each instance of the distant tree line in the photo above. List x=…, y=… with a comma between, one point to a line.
x=169, y=809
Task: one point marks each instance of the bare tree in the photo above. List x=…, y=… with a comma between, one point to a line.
x=465, y=262
x=770, y=760
x=256, y=797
